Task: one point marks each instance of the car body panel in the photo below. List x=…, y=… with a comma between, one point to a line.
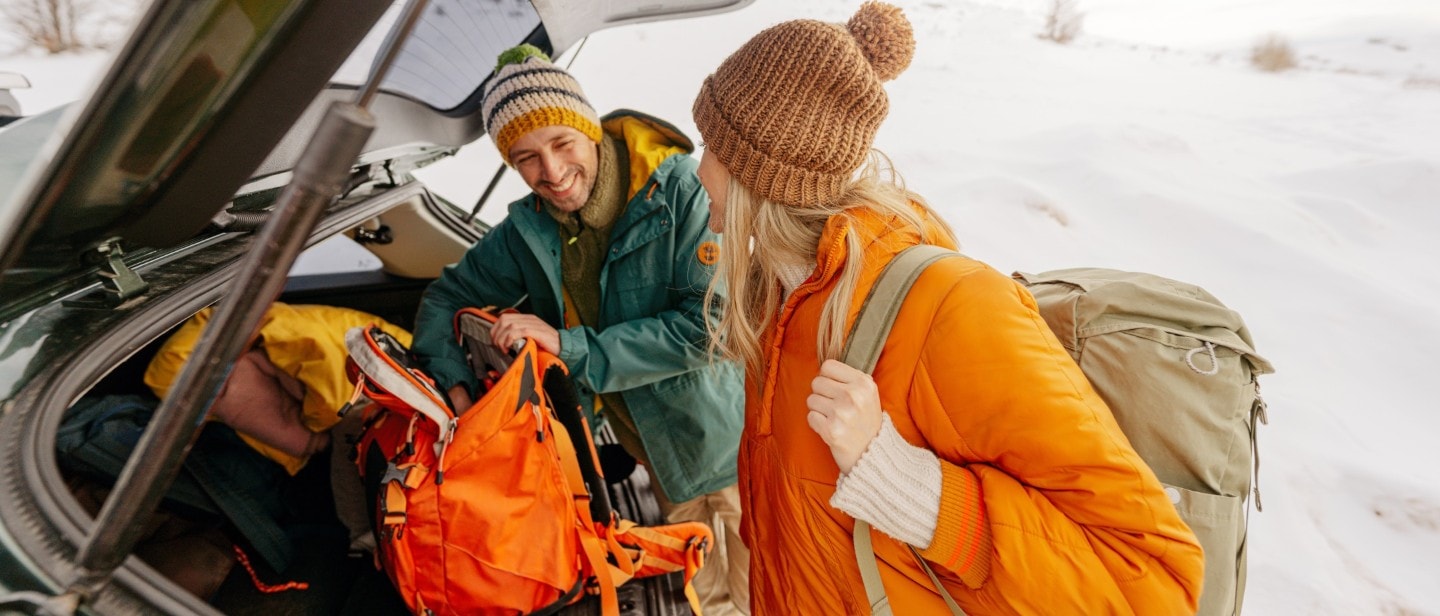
x=9, y=106
x=196, y=99
x=13, y=81
x=201, y=115
x=568, y=21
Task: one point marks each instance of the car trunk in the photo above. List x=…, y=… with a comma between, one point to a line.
x=339, y=582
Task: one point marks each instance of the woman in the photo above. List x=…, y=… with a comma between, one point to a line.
x=978, y=442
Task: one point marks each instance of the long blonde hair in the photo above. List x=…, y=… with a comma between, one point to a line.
x=761, y=235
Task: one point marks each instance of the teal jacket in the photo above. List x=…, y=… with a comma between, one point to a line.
x=652, y=343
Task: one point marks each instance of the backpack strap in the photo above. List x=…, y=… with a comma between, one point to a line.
x=595, y=543
x=877, y=315
x=667, y=549
x=862, y=351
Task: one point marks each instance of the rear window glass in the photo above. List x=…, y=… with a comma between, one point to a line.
x=451, y=52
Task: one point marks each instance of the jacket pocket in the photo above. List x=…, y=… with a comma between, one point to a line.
x=641, y=269
x=691, y=423
x=638, y=288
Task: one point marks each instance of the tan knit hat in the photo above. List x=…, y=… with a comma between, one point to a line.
x=528, y=92
x=793, y=112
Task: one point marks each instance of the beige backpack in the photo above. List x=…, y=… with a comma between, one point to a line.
x=1179, y=371
x=1177, y=368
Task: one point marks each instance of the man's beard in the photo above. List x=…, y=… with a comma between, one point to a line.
x=576, y=196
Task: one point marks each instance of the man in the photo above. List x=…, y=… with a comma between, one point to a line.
x=608, y=260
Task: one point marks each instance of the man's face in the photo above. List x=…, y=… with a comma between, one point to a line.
x=559, y=163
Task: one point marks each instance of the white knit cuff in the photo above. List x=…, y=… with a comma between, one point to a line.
x=895, y=486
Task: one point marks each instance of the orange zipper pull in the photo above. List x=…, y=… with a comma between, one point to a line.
x=354, y=397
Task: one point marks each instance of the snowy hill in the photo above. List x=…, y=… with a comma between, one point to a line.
x=1307, y=200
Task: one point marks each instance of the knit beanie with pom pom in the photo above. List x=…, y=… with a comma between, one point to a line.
x=793, y=112
x=528, y=92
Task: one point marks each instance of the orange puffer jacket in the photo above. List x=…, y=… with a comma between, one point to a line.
x=1045, y=507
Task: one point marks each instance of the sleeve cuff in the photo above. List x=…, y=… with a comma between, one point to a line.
x=895, y=486
x=962, y=541
x=572, y=346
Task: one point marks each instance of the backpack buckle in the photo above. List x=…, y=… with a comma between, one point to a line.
x=397, y=479
x=392, y=506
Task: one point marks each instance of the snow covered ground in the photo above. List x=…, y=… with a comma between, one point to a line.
x=1307, y=200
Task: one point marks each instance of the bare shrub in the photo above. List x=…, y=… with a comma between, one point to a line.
x=1422, y=82
x=58, y=26
x=1048, y=209
x=1273, y=54
x=1063, y=21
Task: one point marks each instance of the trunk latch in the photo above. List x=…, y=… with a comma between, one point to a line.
x=121, y=281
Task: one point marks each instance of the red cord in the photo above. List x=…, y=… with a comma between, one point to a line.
x=261, y=586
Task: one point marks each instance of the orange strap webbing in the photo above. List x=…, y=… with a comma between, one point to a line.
x=619, y=550
x=669, y=548
x=597, y=549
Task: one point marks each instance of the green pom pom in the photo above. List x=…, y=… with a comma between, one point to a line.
x=518, y=54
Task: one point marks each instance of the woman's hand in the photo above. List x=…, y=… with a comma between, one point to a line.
x=844, y=410
x=513, y=326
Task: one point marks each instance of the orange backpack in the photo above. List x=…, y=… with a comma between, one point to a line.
x=500, y=509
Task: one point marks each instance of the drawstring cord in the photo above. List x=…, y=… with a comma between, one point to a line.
x=447, y=434
x=261, y=586
x=354, y=396
x=1214, y=361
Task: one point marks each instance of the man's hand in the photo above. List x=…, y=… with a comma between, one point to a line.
x=460, y=398
x=844, y=410
x=513, y=326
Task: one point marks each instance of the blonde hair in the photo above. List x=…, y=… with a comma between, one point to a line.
x=761, y=235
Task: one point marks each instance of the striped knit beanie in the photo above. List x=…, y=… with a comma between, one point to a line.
x=793, y=112
x=528, y=92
